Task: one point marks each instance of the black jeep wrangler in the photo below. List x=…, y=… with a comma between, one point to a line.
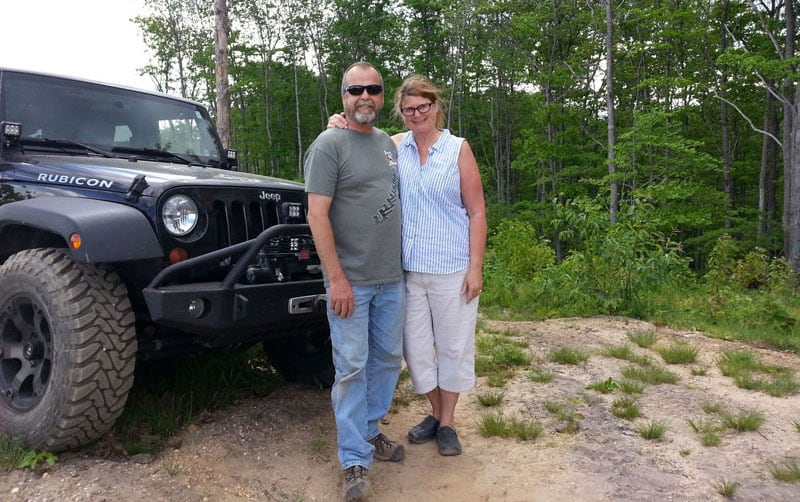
x=126, y=232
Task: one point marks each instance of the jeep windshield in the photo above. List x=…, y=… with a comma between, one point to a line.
x=82, y=118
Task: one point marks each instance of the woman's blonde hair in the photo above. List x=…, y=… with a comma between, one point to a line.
x=417, y=85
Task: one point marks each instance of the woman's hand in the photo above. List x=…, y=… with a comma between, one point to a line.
x=338, y=121
x=473, y=283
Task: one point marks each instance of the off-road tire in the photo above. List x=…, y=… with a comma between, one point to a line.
x=67, y=349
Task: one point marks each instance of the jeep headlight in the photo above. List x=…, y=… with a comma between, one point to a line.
x=179, y=214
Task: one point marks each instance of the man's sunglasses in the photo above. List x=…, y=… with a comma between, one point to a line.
x=358, y=90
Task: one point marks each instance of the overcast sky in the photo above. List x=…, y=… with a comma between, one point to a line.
x=91, y=39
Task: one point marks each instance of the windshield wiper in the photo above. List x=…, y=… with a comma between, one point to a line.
x=155, y=152
x=66, y=145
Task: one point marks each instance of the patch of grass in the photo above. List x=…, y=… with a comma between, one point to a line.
x=789, y=471
x=404, y=376
x=707, y=432
x=484, y=365
x=781, y=386
x=726, y=488
x=626, y=353
x=503, y=351
x=678, y=353
x=167, y=397
x=796, y=425
x=652, y=430
x=652, y=375
x=14, y=454
x=318, y=445
x=745, y=421
x=709, y=438
x=554, y=407
x=568, y=355
x=525, y=430
x=699, y=371
x=568, y=417
x=540, y=375
x=604, y=386
x=712, y=407
x=493, y=425
x=626, y=407
x=632, y=386
x=644, y=339
x=491, y=399
x=497, y=425
x=499, y=377
x=748, y=372
x=733, y=362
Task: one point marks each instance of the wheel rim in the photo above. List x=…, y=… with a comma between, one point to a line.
x=26, y=353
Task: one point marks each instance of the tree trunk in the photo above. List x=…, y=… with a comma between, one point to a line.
x=767, y=202
x=221, y=28
x=613, y=206
x=791, y=163
x=727, y=182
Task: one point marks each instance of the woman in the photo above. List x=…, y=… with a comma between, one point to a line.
x=444, y=234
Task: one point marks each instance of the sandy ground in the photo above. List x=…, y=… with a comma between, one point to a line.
x=282, y=447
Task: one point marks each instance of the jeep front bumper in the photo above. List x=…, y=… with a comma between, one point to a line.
x=232, y=307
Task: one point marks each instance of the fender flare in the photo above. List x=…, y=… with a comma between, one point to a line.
x=109, y=231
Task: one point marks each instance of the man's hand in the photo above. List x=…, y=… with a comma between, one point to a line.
x=340, y=296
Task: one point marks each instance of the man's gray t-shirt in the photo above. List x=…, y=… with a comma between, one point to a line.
x=359, y=172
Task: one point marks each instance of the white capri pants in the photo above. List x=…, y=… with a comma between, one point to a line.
x=439, y=334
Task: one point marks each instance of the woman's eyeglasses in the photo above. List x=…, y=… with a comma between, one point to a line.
x=358, y=90
x=408, y=111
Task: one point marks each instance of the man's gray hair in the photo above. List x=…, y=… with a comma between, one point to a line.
x=359, y=64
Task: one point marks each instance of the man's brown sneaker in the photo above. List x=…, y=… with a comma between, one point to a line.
x=356, y=485
x=387, y=450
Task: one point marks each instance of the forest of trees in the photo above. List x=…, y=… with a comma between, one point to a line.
x=672, y=115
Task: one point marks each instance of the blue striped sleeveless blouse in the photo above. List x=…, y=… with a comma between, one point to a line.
x=435, y=221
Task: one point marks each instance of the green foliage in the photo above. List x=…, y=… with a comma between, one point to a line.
x=517, y=251
x=31, y=459
x=14, y=454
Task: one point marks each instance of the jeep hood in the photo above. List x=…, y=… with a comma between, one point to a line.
x=117, y=175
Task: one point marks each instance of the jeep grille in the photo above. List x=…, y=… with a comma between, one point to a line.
x=237, y=221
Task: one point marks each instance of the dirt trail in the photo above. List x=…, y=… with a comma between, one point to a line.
x=282, y=447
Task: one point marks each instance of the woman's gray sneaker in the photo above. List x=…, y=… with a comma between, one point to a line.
x=448, y=441
x=424, y=431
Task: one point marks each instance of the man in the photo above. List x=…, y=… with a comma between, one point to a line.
x=354, y=213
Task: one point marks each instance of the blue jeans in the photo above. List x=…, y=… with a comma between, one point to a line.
x=367, y=354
